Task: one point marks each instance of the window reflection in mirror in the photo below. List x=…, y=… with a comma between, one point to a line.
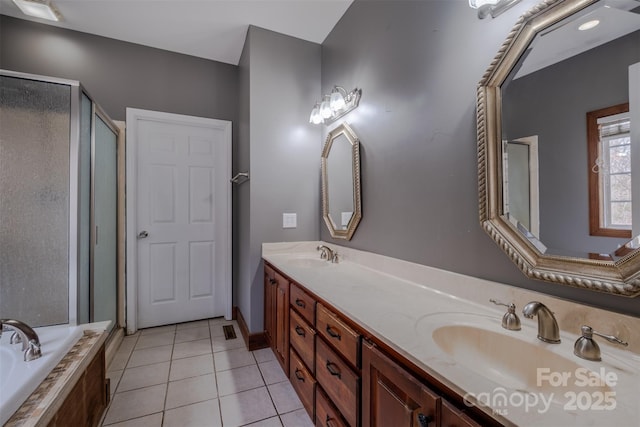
x=609, y=145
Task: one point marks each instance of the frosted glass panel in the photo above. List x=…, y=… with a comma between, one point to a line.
x=34, y=201
x=105, y=212
x=84, y=279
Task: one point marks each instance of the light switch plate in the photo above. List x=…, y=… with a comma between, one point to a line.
x=289, y=220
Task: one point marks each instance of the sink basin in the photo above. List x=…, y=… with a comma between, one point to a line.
x=308, y=262
x=513, y=363
x=478, y=355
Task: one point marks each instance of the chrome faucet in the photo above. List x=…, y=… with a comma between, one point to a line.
x=547, y=325
x=328, y=253
x=23, y=334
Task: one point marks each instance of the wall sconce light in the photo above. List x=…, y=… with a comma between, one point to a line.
x=491, y=7
x=335, y=105
x=39, y=9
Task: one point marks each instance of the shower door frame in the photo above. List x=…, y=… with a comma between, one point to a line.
x=74, y=187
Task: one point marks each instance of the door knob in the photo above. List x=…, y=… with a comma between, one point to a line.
x=143, y=235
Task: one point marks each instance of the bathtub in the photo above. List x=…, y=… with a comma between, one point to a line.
x=18, y=379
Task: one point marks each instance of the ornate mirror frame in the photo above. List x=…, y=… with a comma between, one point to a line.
x=347, y=132
x=620, y=277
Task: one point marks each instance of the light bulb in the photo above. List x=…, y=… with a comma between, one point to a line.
x=325, y=109
x=336, y=102
x=315, y=116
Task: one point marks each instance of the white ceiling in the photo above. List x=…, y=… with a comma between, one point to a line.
x=211, y=29
x=563, y=40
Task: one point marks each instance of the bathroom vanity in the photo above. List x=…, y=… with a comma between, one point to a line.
x=375, y=341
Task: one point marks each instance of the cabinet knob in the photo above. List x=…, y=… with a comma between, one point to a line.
x=299, y=331
x=300, y=303
x=299, y=375
x=424, y=420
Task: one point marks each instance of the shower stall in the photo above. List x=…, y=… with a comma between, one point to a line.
x=58, y=203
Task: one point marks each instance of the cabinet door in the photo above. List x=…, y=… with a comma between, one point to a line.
x=393, y=397
x=270, y=305
x=282, y=321
x=452, y=417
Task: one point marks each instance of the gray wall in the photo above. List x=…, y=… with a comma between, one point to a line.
x=119, y=74
x=418, y=64
x=553, y=103
x=280, y=80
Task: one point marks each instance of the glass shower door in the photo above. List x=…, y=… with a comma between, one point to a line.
x=105, y=210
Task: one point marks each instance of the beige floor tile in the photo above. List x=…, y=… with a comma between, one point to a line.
x=231, y=359
x=154, y=420
x=269, y=422
x=239, y=379
x=114, y=377
x=136, y=403
x=299, y=418
x=158, y=330
x=155, y=340
x=191, y=390
x=272, y=372
x=203, y=414
x=191, y=367
x=120, y=359
x=191, y=348
x=246, y=407
x=284, y=397
x=192, y=334
x=264, y=355
x=218, y=320
x=195, y=324
x=149, y=356
x=144, y=376
x=222, y=344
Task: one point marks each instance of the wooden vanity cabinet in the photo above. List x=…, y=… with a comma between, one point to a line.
x=393, y=397
x=277, y=314
x=344, y=380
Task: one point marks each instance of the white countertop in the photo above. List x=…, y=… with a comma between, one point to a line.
x=402, y=303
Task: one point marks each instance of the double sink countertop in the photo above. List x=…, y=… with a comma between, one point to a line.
x=444, y=323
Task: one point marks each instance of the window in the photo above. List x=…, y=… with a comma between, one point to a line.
x=608, y=134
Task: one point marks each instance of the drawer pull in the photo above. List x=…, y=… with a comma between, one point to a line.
x=333, y=371
x=299, y=331
x=329, y=422
x=300, y=303
x=299, y=375
x=333, y=334
x=424, y=420
x=272, y=281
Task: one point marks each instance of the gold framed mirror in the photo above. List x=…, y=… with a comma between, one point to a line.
x=341, y=198
x=546, y=54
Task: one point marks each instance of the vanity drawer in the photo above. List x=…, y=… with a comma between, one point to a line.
x=302, y=381
x=342, y=337
x=326, y=414
x=341, y=384
x=302, y=338
x=303, y=303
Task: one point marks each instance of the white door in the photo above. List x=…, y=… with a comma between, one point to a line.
x=182, y=229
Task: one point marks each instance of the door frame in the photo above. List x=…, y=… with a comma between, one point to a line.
x=133, y=116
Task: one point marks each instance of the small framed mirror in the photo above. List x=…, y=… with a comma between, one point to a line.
x=566, y=71
x=341, y=199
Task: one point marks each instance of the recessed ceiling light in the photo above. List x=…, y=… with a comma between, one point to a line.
x=589, y=25
x=38, y=9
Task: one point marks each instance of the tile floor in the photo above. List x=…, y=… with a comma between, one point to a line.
x=189, y=375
